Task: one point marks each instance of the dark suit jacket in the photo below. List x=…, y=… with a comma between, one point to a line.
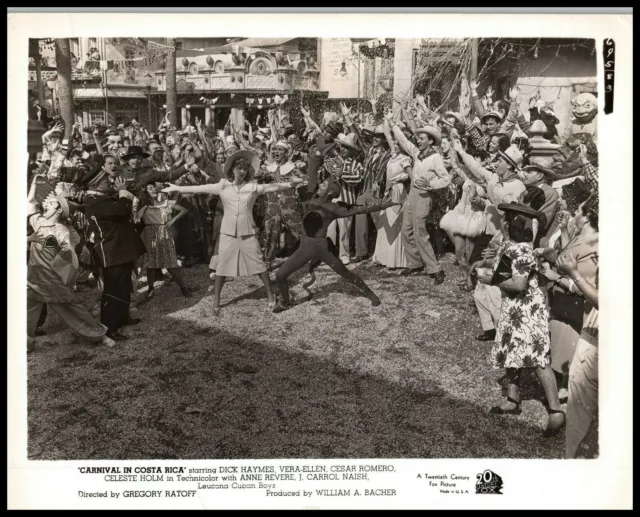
x=115, y=238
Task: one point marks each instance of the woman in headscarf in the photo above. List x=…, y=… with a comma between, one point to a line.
x=239, y=250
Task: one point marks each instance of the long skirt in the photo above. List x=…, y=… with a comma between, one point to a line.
x=389, y=248
x=239, y=256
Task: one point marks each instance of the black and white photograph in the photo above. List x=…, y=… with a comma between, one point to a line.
x=242, y=247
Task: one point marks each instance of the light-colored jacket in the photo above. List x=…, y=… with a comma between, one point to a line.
x=238, y=204
x=431, y=168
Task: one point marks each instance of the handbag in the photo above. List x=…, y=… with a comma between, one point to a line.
x=503, y=271
x=568, y=307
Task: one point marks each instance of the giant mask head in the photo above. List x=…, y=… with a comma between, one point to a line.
x=584, y=107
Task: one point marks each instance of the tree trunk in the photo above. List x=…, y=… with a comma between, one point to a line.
x=65, y=88
x=474, y=60
x=34, y=52
x=172, y=92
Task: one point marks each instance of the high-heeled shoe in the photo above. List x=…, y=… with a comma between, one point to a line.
x=552, y=431
x=497, y=410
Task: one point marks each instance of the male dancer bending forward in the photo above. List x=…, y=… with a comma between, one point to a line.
x=314, y=245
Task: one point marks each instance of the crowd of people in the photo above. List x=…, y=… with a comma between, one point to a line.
x=399, y=189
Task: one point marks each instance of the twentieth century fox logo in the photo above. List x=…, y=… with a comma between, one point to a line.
x=488, y=483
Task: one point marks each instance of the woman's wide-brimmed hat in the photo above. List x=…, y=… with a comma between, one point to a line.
x=491, y=114
x=432, y=132
x=250, y=156
x=520, y=209
x=135, y=150
x=512, y=156
x=348, y=141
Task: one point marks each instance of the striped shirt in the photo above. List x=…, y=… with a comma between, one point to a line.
x=350, y=172
x=374, y=167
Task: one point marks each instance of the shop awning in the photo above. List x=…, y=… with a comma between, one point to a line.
x=114, y=93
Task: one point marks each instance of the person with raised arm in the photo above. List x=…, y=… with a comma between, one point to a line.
x=239, y=251
x=52, y=269
x=429, y=173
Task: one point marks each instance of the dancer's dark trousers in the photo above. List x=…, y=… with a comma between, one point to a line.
x=321, y=250
x=116, y=296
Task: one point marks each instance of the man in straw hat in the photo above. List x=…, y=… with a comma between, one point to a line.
x=373, y=142
x=502, y=186
x=501, y=119
x=429, y=173
x=346, y=170
x=52, y=270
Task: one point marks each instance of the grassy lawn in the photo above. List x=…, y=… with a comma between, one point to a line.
x=330, y=378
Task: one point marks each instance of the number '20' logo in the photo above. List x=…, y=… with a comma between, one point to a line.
x=488, y=483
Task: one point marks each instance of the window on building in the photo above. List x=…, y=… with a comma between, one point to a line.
x=125, y=116
x=93, y=42
x=75, y=46
x=179, y=45
x=96, y=117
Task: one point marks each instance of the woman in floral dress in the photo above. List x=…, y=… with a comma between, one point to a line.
x=522, y=337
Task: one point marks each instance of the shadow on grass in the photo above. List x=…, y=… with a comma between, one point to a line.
x=206, y=393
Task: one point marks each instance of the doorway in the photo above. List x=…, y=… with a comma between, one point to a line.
x=198, y=113
x=221, y=117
